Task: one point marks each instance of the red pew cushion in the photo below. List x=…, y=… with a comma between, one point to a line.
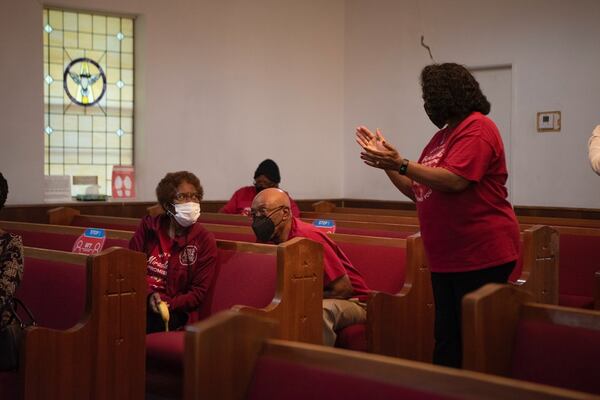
x=384, y=270
x=578, y=263
x=164, y=364
x=353, y=337
x=9, y=385
x=557, y=355
x=241, y=278
x=279, y=379
x=54, y=292
x=383, y=267
x=571, y=300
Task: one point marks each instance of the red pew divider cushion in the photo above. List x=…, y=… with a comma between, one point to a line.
x=279, y=379
x=557, y=355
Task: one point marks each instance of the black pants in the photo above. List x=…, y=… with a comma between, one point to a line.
x=154, y=322
x=448, y=290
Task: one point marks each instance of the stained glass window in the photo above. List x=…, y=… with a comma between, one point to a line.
x=88, y=94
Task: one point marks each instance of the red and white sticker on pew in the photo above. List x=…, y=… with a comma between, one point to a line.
x=91, y=242
x=328, y=225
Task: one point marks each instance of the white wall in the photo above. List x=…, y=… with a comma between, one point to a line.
x=21, y=104
x=553, y=47
x=221, y=85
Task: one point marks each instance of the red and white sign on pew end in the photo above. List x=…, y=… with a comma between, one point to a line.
x=91, y=242
x=123, y=182
x=328, y=225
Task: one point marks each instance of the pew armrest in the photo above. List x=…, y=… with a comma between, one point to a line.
x=155, y=210
x=540, y=263
x=401, y=325
x=104, y=352
x=389, y=323
x=489, y=321
x=62, y=215
x=223, y=348
x=323, y=206
x=298, y=301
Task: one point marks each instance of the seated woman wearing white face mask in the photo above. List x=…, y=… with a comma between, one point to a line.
x=181, y=253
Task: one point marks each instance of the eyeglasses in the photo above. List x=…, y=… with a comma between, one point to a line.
x=264, y=183
x=264, y=211
x=194, y=196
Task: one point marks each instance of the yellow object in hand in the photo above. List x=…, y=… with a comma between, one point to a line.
x=164, y=313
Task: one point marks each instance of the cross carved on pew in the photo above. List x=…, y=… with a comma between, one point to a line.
x=119, y=293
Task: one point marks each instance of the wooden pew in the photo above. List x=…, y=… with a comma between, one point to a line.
x=505, y=333
x=295, y=261
x=282, y=282
x=400, y=321
x=67, y=216
x=91, y=316
x=234, y=357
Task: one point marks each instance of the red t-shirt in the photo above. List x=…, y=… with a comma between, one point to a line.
x=241, y=201
x=476, y=228
x=335, y=262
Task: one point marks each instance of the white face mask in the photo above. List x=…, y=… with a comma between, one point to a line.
x=186, y=214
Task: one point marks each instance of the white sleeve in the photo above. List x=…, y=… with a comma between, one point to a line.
x=594, y=150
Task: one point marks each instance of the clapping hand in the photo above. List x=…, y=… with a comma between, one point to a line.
x=377, y=152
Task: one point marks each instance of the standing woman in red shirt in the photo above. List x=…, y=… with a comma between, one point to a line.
x=181, y=253
x=469, y=229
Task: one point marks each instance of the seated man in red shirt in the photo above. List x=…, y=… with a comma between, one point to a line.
x=344, y=289
x=265, y=176
x=181, y=253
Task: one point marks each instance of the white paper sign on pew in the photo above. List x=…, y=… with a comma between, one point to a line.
x=91, y=242
x=327, y=225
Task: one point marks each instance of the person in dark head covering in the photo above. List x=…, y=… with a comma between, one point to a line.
x=266, y=176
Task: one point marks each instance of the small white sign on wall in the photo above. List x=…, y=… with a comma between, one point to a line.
x=548, y=121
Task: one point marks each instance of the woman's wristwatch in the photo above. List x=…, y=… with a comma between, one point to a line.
x=403, y=167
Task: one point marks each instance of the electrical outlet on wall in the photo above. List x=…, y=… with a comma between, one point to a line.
x=548, y=121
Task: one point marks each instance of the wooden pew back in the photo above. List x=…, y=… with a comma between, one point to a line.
x=294, y=270
x=59, y=237
x=101, y=355
x=505, y=333
x=236, y=348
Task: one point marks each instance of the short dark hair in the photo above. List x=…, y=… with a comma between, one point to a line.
x=3, y=190
x=451, y=91
x=167, y=187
